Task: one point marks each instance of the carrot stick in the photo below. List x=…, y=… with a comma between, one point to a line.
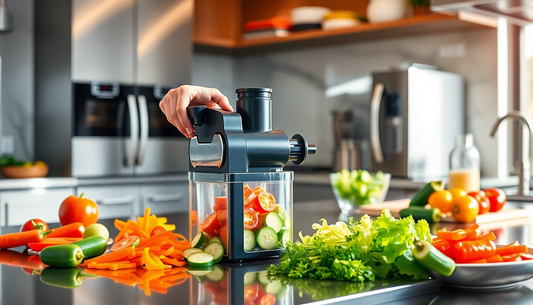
x=122, y=232
x=112, y=256
x=173, y=262
x=119, y=224
x=155, y=239
x=145, y=219
x=137, y=229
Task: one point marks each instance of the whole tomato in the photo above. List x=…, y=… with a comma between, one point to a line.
x=78, y=209
x=482, y=200
x=496, y=198
x=464, y=209
x=34, y=224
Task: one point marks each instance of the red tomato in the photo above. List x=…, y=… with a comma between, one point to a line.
x=224, y=236
x=258, y=190
x=78, y=209
x=39, y=225
x=157, y=230
x=210, y=224
x=250, y=292
x=496, y=198
x=267, y=203
x=268, y=299
x=222, y=215
x=250, y=199
x=250, y=218
x=221, y=203
x=482, y=200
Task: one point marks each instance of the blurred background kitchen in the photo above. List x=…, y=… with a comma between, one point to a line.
x=64, y=61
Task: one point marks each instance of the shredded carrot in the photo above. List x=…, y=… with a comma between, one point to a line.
x=145, y=219
x=119, y=224
x=112, y=256
x=173, y=262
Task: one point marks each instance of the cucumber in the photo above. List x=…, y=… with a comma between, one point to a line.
x=217, y=275
x=62, y=255
x=217, y=250
x=248, y=240
x=201, y=259
x=92, y=246
x=420, y=198
x=62, y=277
x=284, y=236
x=262, y=277
x=190, y=251
x=200, y=271
x=215, y=239
x=431, y=215
x=267, y=238
x=274, y=221
x=431, y=258
x=273, y=287
x=198, y=240
x=249, y=278
x=281, y=212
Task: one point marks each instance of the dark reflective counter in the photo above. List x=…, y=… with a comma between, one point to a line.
x=245, y=283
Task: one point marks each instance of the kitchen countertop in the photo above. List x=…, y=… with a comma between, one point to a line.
x=19, y=287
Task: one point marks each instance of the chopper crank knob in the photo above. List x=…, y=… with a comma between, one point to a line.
x=300, y=149
x=196, y=115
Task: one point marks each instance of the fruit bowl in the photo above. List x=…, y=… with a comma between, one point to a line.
x=34, y=171
x=356, y=188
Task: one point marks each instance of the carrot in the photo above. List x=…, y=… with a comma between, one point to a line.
x=74, y=229
x=112, y=256
x=53, y=241
x=12, y=240
x=17, y=259
x=507, y=250
x=494, y=259
x=488, y=236
x=173, y=262
x=145, y=219
x=155, y=239
x=119, y=224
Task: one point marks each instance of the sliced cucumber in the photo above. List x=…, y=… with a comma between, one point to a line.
x=198, y=240
x=215, y=239
x=201, y=259
x=273, y=287
x=200, y=271
x=262, y=277
x=190, y=251
x=267, y=238
x=216, y=249
x=217, y=275
x=274, y=221
x=281, y=212
x=248, y=240
x=285, y=236
x=249, y=278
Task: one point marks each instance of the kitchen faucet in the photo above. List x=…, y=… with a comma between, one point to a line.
x=524, y=148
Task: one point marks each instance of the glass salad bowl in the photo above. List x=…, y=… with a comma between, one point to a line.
x=355, y=188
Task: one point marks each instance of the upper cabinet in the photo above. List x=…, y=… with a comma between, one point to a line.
x=218, y=25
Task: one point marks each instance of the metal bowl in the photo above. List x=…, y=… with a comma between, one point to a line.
x=488, y=276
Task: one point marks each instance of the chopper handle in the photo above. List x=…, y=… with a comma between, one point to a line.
x=196, y=115
x=300, y=149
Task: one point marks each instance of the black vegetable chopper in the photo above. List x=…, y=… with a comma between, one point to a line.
x=239, y=194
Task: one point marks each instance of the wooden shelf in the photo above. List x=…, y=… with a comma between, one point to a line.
x=418, y=25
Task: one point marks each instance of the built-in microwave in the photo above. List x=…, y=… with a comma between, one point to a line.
x=119, y=130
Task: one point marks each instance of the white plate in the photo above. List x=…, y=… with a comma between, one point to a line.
x=488, y=276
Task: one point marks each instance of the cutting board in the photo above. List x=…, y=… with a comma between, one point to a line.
x=397, y=205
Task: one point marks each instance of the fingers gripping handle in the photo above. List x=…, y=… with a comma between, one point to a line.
x=196, y=115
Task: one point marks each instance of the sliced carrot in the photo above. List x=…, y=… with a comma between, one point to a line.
x=488, y=236
x=494, y=259
x=512, y=257
x=112, y=256
x=452, y=235
x=137, y=261
x=145, y=219
x=507, y=250
x=173, y=262
x=155, y=239
x=119, y=224
x=478, y=261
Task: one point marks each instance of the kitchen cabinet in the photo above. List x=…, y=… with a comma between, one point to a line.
x=218, y=26
x=114, y=201
x=165, y=198
x=21, y=205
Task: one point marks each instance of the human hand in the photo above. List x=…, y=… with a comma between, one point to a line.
x=174, y=104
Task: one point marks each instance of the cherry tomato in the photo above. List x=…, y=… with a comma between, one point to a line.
x=441, y=200
x=482, y=200
x=268, y=299
x=78, y=209
x=250, y=198
x=496, y=198
x=258, y=190
x=210, y=224
x=39, y=225
x=250, y=218
x=250, y=292
x=267, y=203
x=157, y=230
x=464, y=209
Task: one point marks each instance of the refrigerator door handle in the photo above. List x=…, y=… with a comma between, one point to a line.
x=375, y=104
x=131, y=145
x=145, y=124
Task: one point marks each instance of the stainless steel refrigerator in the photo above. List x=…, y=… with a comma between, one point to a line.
x=415, y=115
x=119, y=58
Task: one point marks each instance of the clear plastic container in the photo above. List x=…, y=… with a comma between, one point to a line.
x=250, y=212
x=464, y=164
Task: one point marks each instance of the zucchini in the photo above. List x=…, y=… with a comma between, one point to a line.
x=92, y=246
x=190, y=251
x=216, y=249
x=285, y=236
x=273, y=220
x=217, y=275
x=62, y=277
x=201, y=259
x=431, y=215
x=215, y=239
x=431, y=258
x=248, y=240
x=198, y=240
x=62, y=255
x=420, y=198
x=267, y=238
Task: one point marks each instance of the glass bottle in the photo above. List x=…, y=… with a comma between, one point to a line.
x=464, y=164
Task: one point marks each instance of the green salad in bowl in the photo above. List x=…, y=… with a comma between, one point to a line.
x=358, y=187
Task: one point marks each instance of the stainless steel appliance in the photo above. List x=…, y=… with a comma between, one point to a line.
x=415, y=115
x=98, y=88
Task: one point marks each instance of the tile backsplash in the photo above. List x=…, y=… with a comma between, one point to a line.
x=301, y=78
